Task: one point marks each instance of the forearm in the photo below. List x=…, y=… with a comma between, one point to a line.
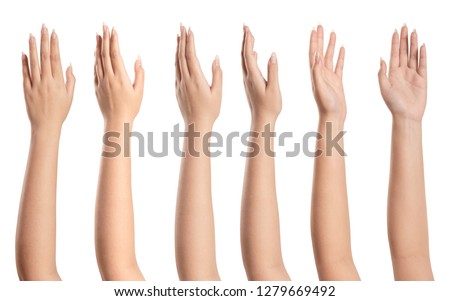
x=194, y=228
x=260, y=226
x=407, y=210
x=36, y=228
x=330, y=224
x=114, y=222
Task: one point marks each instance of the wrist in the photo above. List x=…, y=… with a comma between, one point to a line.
x=199, y=126
x=117, y=124
x=46, y=129
x=334, y=119
x=259, y=124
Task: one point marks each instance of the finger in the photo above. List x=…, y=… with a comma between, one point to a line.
x=46, y=69
x=98, y=58
x=95, y=76
x=272, y=71
x=340, y=63
x=139, y=73
x=244, y=68
x=250, y=56
x=55, y=58
x=182, y=54
x=177, y=62
x=106, y=58
x=404, y=46
x=191, y=56
x=382, y=76
x=34, y=61
x=216, y=84
x=414, y=53
x=330, y=51
x=423, y=61
x=320, y=39
x=26, y=73
x=317, y=68
x=395, y=51
x=70, y=82
x=116, y=59
x=312, y=47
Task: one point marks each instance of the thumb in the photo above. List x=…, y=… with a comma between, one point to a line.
x=272, y=70
x=382, y=77
x=70, y=82
x=138, y=84
x=216, y=85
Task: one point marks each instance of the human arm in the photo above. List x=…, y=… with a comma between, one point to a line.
x=405, y=92
x=260, y=225
x=330, y=222
x=48, y=99
x=119, y=102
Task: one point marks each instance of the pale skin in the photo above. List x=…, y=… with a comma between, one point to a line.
x=330, y=223
x=48, y=99
x=260, y=226
x=119, y=100
x=199, y=104
x=403, y=87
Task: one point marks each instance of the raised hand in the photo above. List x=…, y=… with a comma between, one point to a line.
x=198, y=101
x=264, y=96
x=326, y=78
x=405, y=88
x=119, y=101
x=48, y=99
x=48, y=96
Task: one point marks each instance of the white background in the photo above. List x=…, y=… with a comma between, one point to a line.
x=149, y=29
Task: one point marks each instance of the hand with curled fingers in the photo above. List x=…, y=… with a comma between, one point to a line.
x=48, y=97
x=198, y=101
x=264, y=96
x=118, y=98
x=327, y=81
x=405, y=88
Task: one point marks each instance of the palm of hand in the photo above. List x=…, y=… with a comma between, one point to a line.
x=329, y=92
x=406, y=95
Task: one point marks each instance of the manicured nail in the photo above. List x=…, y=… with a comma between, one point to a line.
x=423, y=45
x=273, y=58
x=31, y=38
x=404, y=24
x=53, y=36
x=217, y=61
x=113, y=31
x=71, y=68
x=395, y=30
x=23, y=56
x=414, y=30
x=139, y=61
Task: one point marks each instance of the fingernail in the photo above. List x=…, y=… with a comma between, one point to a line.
x=217, y=61
x=139, y=61
x=31, y=38
x=71, y=68
x=395, y=30
x=44, y=29
x=189, y=31
x=113, y=31
x=53, y=34
x=414, y=30
x=423, y=44
x=23, y=55
x=404, y=24
x=273, y=58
